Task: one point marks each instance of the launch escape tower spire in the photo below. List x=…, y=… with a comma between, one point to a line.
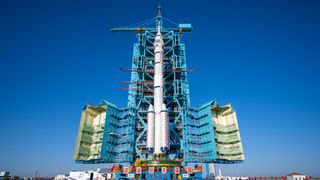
x=159, y=20
x=159, y=120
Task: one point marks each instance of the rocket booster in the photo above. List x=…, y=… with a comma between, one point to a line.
x=165, y=129
x=150, y=130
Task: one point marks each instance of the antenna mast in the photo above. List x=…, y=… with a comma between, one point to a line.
x=159, y=18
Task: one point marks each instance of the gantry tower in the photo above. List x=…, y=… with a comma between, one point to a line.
x=109, y=134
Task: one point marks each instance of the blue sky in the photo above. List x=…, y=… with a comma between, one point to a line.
x=262, y=56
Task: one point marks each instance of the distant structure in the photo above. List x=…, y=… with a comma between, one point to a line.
x=296, y=176
x=159, y=132
x=85, y=175
x=4, y=175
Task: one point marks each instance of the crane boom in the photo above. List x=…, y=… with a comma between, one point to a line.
x=181, y=28
x=140, y=29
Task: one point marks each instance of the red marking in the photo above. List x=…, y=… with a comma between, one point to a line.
x=138, y=170
x=177, y=170
x=137, y=89
x=164, y=170
x=151, y=71
x=126, y=170
x=189, y=170
x=151, y=170
x=139, y=82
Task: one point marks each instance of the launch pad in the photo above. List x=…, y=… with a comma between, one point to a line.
x=158, y=169
x=159, y=133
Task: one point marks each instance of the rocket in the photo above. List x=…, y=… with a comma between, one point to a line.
x=157, y=117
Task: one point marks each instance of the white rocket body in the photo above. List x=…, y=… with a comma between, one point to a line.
x=158, y=139
x=158, y=91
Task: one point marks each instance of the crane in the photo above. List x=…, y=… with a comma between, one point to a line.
x=142, y=27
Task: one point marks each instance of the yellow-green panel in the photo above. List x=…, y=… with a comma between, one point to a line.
x=227, y=134
x=90, y=134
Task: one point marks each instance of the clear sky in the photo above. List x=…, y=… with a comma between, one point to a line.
x=262, y=56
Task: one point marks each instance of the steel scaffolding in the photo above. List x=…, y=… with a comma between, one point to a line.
x=176, y=88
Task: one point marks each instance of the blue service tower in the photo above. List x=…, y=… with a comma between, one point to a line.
x=159, y=134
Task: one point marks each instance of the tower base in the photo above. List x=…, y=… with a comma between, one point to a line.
x=161, y=168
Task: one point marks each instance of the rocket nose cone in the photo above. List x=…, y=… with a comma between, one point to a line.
x=164, y=107
x=150, y=108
